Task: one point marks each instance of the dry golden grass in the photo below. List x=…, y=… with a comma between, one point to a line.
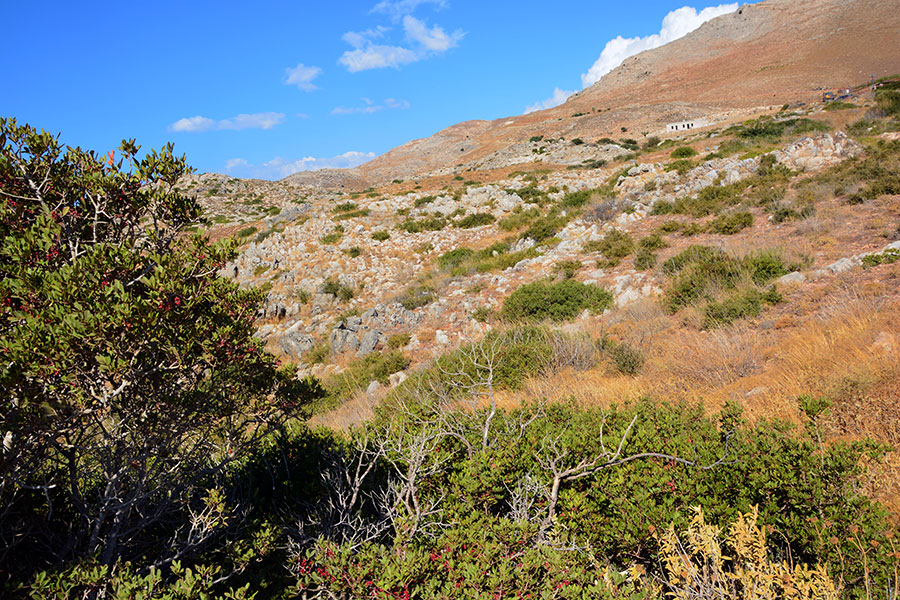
x=358, y=409
x=595, y=387
x=767, y=370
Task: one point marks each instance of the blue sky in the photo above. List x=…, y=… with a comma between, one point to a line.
x=268, y=88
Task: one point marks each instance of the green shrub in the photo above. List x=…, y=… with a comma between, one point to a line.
x=345, y=207
x=423, y=201
x=651, y=143
x=93, y=580
x=766, y=128
x=358, y=374
x=380, y=236
x=627, y=359
x=545, y=227
x=531, y=195
x=708, y=201
x=331, y=286
x=670, y=226
x=354, y=252
x=700, y=270
x=838, y=105
x=475, y=220
x=535, y=138
x=644, y=259
x=398, y=340
x=455, y=258
x=620, y=513
x=410, y=226
x=566, y=269
x=888, y=100
x=127, y=364
x=889, y=256
x=663, y=207
x=654, y=241
x=483, y=314
x=691, y=229
x=782, y=213
x=737, y=306
x=332, y=238
x=683, y=152
x=318, y=354
x=502, y=261
x=416, y=296
x=681, y=166
x=731, y=224
x=464, y=261
x=433, y=223
x=247, y=232
x=352, y=215
x=518, y=219
x=766, y=265
x=554, y=301
x=615, y=246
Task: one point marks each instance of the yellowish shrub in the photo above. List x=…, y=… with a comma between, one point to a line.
x=700, y=564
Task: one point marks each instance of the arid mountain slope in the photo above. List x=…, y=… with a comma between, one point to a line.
x=765, y=54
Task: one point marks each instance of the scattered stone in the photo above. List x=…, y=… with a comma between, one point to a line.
x=794, y=278
x=843, y=265
x=397, y=378
x=343, y=340
x=369, y=342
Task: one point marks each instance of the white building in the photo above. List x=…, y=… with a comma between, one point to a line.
x=684, y=125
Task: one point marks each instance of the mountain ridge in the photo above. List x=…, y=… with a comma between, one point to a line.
x=765, y=54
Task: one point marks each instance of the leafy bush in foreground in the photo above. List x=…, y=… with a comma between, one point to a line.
x=131, y=377
x=497, y=527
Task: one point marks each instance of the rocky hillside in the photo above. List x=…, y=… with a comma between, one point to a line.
x=754, y=260
x=425, y=269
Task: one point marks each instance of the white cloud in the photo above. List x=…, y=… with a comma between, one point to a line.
x=197, y=124
x=279, y=168
x=193, y=124
x=434, y=39
x=302, y=77
x=358, y=39
x=266, y=120
x=676, y=24
x=370, y=107
x=423, y=43
x=559, y=96
x=398, y=8
x=377, y=57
